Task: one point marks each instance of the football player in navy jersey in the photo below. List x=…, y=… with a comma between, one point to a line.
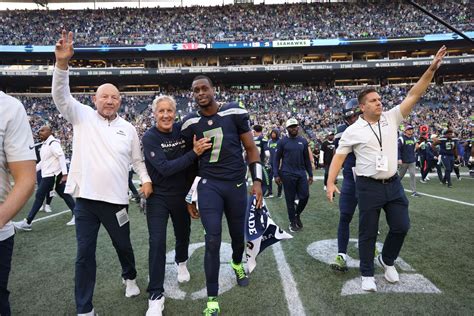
x=272, y=145
x=328, y=148
x=262, y=145
x=448, y=152
x=222, y=188
x=261, y=142
x=347, y=199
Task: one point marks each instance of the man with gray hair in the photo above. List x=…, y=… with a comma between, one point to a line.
x=167, y=163
x=104, y=145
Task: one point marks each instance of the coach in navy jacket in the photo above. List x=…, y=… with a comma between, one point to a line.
x=292, y=161
x=167, y=162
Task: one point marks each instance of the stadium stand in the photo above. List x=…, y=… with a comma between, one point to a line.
x=138, y=26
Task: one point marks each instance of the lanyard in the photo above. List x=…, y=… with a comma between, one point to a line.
x=379, y=139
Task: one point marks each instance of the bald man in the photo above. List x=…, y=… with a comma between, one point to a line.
x=53, y=172
x=104, y=145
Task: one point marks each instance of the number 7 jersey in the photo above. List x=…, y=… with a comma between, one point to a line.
x=224, y=161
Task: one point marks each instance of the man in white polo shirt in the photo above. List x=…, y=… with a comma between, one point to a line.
x=53, y=175
x=17, y=158
x=104, y=145
x=373, y=139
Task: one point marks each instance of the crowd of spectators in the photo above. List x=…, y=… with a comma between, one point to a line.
x=318, y=110
x=137, y=26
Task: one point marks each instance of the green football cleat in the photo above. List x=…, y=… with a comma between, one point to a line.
x=212, y=308
x=339, y=264
x=240, y=274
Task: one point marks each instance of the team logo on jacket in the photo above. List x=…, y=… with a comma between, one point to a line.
x=152, y=154
x=210, y=122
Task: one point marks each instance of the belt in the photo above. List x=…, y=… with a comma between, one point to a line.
x=383, y=181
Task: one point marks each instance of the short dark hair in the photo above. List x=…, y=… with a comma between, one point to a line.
x=202, y=77
x=258, y=128
x=363, y=93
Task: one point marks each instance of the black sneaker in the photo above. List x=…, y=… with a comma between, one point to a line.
x=299, y=223
x=293, y=227
x=240, y=274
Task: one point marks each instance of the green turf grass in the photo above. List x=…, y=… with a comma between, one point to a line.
x=438, y=246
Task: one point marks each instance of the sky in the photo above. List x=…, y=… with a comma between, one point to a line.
x=141, y=3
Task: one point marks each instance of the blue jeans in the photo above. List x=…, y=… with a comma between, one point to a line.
x=373, y=196
x=159, y=208
x=89, y=215
x=6, y=251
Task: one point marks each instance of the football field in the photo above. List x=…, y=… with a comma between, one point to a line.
x=292, y=277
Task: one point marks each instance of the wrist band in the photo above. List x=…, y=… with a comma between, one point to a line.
x=256, y=171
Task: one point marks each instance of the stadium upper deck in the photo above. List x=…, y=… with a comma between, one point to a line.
x=368, y=42
x=248, y=23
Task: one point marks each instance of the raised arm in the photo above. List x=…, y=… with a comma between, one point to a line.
x=422, y=84
x=64, y=50
x=69, y=107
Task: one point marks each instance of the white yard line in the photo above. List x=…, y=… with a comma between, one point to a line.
x=442, y=198
x=295, y=306
x=50, y=216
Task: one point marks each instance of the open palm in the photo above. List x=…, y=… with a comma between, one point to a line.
x=64, y=47
x=438, y=59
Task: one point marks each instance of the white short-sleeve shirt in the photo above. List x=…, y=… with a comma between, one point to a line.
x=16, y=143
x=361, y=139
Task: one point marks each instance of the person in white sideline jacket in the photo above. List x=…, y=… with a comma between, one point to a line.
x=103, y=147
x=53, y=173
x=17, y=158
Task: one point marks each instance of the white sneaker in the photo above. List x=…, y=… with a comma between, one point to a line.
x=183, y=273
x=391, y=274
x=22, y=225
x=91, y=313
x=156, y=307
x=131, y=288
x=427, y=178
x=368, y=284
x=47, y=208
x=72, y=222
x=325, y=188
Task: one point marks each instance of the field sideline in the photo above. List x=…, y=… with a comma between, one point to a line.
x=291, y=278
